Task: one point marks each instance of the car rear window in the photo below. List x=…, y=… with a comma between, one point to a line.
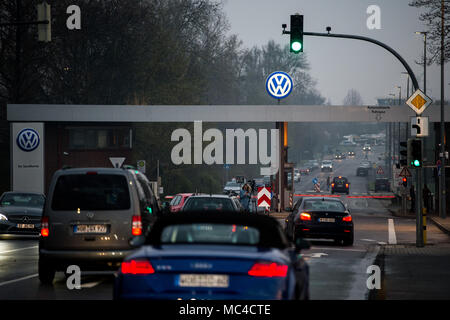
x=323, y=205
x=210, y=233
x=208, y=204
x=23, y=200
x=91, y=192
x=340, y=180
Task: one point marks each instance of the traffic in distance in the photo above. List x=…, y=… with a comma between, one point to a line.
x=130, y=243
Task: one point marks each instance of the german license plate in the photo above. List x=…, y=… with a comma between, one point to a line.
x=327, y=220
x=25, y=226
x=90, y=228
x=204, y=280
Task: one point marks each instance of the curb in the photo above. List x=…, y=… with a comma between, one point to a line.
x=440, y=226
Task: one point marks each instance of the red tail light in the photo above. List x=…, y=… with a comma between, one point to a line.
x=305, y=216
x=136, y=226
x=91, y=173
x=347, y=218
x=268, y=269
x=137, y=267
x=44, y=227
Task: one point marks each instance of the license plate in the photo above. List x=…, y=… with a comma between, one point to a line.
x=327, y=220
x=89, y=228
x=204, y=280
x=25, y=226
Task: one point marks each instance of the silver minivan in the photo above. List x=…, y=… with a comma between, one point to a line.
x=90, y=217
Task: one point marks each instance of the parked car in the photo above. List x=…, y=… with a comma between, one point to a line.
x=340, y=184
x=304, y=171
x=90, y=216
x=225, y=256
x=21, y=212
x=324, y=218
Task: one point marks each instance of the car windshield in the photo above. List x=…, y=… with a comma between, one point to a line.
x=207, y=233
x=91, y=192
x=326, y=162
x=232, y=184
x=23, y=200
x=323, y=205
x=208, y=203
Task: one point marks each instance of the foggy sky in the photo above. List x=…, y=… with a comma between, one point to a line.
x=341, y=64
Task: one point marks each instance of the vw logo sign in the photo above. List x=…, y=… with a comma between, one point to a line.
x=28, y=140
x=279, y=84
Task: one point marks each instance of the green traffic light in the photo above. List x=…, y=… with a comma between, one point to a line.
x=296, y=46
x=416, y=163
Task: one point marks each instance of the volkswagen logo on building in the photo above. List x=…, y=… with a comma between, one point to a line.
x=28, y=140
x=279, y=84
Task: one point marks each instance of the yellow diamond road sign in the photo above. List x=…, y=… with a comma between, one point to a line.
x=419, y=102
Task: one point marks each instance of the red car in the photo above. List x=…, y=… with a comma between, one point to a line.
x=178, y=201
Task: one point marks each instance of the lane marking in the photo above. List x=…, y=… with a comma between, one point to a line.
x=89, y=285
x=19, y=279
x=14, y=250
x=392, y=237
x=338, y=249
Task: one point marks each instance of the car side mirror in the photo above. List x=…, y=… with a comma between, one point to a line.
x=137, y=241
x=301, y=244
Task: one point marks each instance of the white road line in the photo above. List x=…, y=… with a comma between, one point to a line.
x=338, y=249
x=392, y=237
x=90, y=284
x=19, y=279
x=14, y=250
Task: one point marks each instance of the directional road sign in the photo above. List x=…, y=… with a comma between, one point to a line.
x=419, y=126
x=264, y=197
x=418, y=101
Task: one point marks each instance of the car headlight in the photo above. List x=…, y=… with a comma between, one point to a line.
x=3, y=217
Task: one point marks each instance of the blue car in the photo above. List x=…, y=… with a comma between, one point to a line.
x=208, y=255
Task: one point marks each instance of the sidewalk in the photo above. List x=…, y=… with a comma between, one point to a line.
x=412, y=273
x=442, y=224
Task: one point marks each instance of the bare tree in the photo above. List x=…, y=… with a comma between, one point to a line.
x=432, y=19
x=353, y=98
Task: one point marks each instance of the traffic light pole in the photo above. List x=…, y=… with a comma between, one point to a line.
x=419, y=217
x=381, y=44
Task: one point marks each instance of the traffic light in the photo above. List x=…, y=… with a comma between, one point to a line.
x=403, y=154
x=44, y=30
x=405, y=182
x=416, y=153
x=296, y=32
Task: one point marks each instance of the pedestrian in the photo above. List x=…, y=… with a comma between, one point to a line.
x=245, y=196
x=426, y=194
x=412, y=194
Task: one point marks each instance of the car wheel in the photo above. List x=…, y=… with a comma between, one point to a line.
x=46, y=272
x=348, y=241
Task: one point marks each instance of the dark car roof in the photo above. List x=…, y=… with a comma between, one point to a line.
x=269, y=228
x=340, y=178
x=321, y=198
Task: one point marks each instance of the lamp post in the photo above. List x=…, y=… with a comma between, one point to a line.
x=424, y=59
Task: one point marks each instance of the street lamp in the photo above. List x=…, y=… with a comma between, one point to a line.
x=407, y=85
x=424, y=59
x=399, y=95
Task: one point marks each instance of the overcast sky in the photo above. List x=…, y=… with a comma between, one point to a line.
x=341, y=64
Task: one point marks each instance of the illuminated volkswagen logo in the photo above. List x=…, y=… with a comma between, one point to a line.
x=279, y=84
x=28, y=140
